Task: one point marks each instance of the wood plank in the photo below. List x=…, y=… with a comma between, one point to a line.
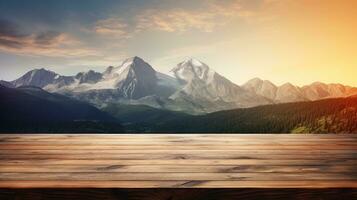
x=173, y=142
x=179, y=184
x=220, y=162
x=179, y=151
x=173, y=155
x=178, y=161
x=163, y=176
x=174, y=168
x=180, y=138
x=183, y=135
x=176, y=147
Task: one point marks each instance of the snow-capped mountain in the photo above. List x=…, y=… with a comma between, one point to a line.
x=134, y=78
x=37, y=77
x=204, y=85
x=43, y=78
x=192, y=87
x=89, y=77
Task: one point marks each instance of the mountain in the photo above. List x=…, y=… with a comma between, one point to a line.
x=291, y=93
x=204, y=86
x=43, y=78
x=261, y=87
x=89, y=77
x=277, y=94
x=38, y=77
x=320, y=90
x=192, y=87
x=134, y=78
x=31, y=109
x=322, y=116
x=6, y=84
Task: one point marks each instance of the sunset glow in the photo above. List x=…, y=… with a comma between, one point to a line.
x=297, y=41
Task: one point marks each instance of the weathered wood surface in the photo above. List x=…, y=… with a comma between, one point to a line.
x=178, y=161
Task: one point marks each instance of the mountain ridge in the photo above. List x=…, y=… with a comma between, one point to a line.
x=337, y=115
x=32, y=109
x=193, y=87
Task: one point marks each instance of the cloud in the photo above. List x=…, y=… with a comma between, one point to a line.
x=49, y=43
x=111, y=26
x=47, y=38
x=167, y=61
x=9, y=29
x=10, y=35
x=213, y=14
x=177, y=20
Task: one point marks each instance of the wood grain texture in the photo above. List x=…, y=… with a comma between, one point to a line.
x=178, y=161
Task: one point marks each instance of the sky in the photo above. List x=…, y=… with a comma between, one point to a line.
x=297, y=41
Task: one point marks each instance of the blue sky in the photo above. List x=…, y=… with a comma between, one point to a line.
x=280, y=40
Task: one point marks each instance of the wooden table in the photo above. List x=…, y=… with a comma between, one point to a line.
x=152, y=161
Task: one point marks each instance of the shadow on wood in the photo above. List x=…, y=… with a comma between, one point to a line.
x=176, y=194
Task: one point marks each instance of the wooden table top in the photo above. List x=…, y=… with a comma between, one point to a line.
x=178, y=161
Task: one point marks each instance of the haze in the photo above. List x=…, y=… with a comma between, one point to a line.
x=297, y=41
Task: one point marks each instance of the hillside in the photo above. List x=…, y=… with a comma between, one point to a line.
x=31, y=109
x=141, y=118
x=323, y=116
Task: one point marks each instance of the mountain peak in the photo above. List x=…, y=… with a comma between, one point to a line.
x=135, y=78
x=261, y=87
x=41, y=70
x=254, y=81
x=194, y=62
x=89, y=77
x=288, y=85
x=136, y=63
x=37, y=77
x=258, y=82
x=193, y=69
x=134, y=59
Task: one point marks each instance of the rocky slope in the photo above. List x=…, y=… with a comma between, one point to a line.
x=192, y=87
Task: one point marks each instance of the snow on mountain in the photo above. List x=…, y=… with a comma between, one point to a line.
x=37, y=77
x=89, y=77
x=193, y=87
x=132, y=79
x=192, y=69
x=204, y=85
x=136, y=78
x=166, y=85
